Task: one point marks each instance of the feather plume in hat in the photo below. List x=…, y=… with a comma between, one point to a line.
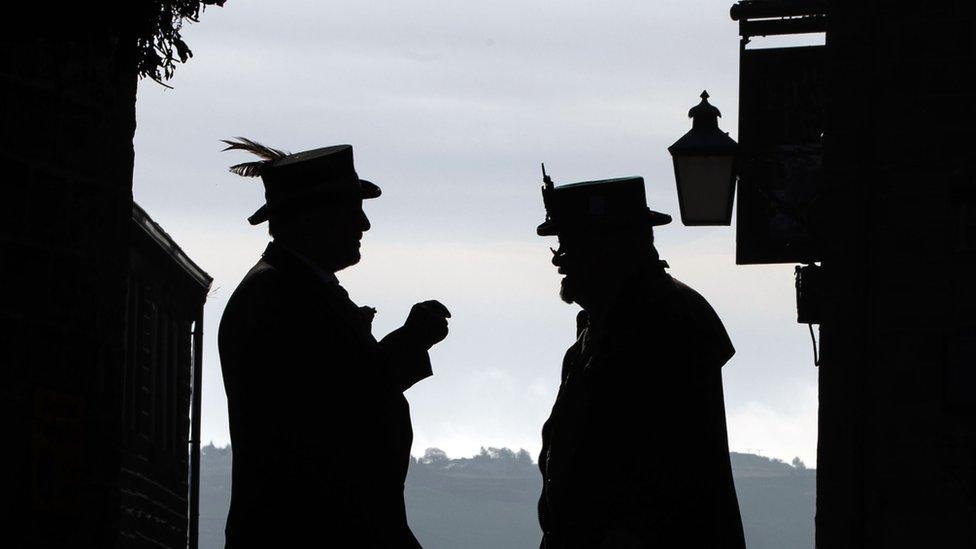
x=253, y=169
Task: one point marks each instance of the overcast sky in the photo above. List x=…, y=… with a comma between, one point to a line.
x=450, y=107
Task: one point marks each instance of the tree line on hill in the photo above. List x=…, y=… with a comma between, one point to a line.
x=488, y=500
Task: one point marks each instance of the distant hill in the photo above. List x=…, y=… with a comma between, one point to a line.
x=488, y=501
x=215, y=465
x=777, y=501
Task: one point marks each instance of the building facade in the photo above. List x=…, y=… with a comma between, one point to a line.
x=68, y=79
x=892, y=216
x=897, y=442
x=165, y=294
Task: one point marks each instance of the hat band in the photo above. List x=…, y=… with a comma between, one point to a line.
x=279, y=203
x=646, y=218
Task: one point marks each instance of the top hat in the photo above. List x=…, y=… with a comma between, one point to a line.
x=309, y=178
x=605, y=205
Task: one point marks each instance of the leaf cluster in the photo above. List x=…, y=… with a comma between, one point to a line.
x=159, y=42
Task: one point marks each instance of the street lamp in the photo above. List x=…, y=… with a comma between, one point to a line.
x=704, y=168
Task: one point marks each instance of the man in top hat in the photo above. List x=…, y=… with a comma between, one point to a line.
x=319, y=425
x=635, y=451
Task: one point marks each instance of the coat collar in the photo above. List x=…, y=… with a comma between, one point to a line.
x=323, y=275
x=295, y=268
x=636, y=294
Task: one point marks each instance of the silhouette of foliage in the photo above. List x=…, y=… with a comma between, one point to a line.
x=158, y=25
x=434, y=456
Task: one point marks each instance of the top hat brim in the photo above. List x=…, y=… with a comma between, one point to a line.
x=369, y=190
x=552, y=227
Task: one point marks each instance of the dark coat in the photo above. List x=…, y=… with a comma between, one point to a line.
x=319, y=426
x=636, y=450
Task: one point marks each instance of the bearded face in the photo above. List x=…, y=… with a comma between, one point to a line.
x=579, y=261
x=595, y=265
x=573, y=280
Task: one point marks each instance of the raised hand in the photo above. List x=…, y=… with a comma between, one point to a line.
x=427, y=322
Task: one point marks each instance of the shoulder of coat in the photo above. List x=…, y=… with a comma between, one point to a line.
x=263, y=276
x=262, y=286
x=687, y=300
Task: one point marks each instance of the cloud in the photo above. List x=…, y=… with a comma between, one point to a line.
x=755, y=427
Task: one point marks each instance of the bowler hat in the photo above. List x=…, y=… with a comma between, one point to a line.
x=310, y=178
x=607, y=205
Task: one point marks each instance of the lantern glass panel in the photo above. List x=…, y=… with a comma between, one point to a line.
x=705, y=189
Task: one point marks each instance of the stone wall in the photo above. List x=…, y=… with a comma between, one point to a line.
x=68, y=118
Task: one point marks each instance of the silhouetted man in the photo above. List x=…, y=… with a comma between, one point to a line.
x=319, y=426
x=635, y=451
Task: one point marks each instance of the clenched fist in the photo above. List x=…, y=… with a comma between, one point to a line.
x=427, y=322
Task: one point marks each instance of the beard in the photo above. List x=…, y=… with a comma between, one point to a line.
x=568, y=289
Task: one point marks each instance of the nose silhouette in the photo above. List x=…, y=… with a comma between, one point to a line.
x=364, y=222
